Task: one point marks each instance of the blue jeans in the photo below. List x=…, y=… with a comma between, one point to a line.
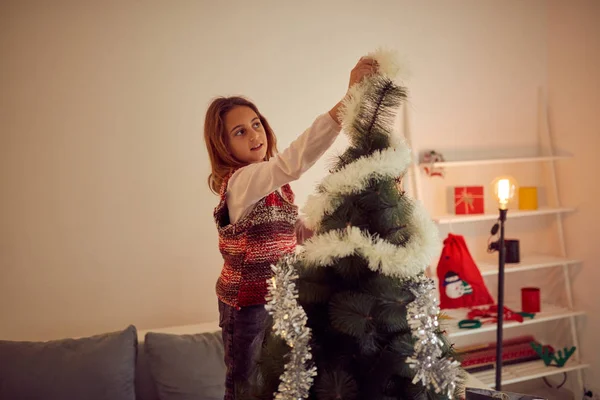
x=243, y=333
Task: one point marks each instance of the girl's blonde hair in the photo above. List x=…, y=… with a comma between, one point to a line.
x=222, y=162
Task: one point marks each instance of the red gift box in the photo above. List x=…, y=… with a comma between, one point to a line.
x=468, y=200
x=483, y=357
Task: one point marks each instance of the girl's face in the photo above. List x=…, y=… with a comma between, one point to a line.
x=245, y=135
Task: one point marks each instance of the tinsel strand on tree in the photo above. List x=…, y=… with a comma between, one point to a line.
x=289, y=323
x=440, y=374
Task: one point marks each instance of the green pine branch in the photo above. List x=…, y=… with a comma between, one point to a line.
x=352, y=313
x=373, y=123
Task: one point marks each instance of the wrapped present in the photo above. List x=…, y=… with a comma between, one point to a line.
x=468, y=200
x=478, y=358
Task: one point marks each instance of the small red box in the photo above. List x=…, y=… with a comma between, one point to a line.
x=468, y=200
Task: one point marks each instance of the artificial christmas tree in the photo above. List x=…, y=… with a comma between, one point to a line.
x=353, y=316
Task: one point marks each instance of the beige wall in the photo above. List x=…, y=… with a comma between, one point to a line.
x=574, y=93
x=106, y=217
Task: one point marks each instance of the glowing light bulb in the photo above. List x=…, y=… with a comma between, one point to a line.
x=505, y=188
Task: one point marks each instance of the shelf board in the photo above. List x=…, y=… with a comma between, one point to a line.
x=549, y=312
x=528, y=263
x=452, y=218
x=525, y=372
x=490, y=161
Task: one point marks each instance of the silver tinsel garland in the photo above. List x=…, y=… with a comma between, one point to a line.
x=289, y=322
x=435, y=372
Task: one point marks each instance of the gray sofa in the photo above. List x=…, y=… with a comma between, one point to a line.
x=166, y=364
x=178, y=363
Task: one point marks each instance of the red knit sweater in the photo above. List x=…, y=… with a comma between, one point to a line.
x=250, y=246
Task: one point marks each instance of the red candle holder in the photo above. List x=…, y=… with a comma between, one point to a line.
x=530, y=300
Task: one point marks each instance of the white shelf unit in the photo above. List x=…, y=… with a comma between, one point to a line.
x=528, y=370
x=528, y=263
x=490, y=161
x=454, y=219
x=549, y=312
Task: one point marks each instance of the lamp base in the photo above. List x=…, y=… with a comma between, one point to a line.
x=500, y=326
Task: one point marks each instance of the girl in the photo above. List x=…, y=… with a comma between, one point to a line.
x=256, y=218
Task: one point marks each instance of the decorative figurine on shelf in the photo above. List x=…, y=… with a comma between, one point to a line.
x=548, y=355
x=430, y=158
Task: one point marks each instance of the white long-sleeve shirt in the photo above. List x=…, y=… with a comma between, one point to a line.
x=251, y=183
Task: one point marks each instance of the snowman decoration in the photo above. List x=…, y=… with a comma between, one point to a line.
x=455, y=286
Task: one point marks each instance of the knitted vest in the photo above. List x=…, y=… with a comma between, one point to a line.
x=250, y=246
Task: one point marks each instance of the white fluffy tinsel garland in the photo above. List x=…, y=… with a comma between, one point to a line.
x=382, y=256
x=354, y=177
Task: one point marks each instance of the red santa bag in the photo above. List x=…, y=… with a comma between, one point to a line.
x=460, y=282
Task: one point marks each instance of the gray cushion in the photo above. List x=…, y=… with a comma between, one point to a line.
x=145, y=389
x=100, y=367
x=186, y=367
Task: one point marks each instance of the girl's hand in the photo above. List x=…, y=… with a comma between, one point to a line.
x=366, y=66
